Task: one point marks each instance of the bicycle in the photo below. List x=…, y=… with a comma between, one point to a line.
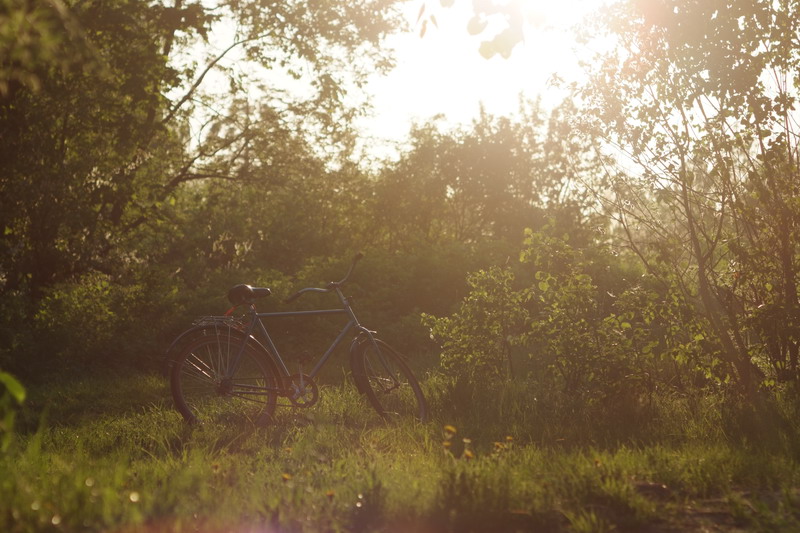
x=221, y=370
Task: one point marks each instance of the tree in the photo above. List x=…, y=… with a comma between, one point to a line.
x=696, y=101
x=490, y=181
x=97, y=145
x=35, y=34
x=275, y=205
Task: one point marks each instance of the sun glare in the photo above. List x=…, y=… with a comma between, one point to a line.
x=441, y=71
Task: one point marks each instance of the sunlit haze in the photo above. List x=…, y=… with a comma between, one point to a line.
x=442, y=72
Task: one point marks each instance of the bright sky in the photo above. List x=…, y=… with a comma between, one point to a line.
x=443, y=73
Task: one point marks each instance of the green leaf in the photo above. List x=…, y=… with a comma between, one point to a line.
x=648, y=348
x=13, y=386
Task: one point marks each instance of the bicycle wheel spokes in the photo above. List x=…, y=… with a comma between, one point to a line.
x=196, y=368
x=389, y=383
x=203, y=390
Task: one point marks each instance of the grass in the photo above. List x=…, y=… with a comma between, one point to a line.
x=110, y=454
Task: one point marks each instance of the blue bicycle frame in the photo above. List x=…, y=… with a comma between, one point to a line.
x=256, y=318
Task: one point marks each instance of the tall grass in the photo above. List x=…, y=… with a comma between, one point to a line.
x=110, y=454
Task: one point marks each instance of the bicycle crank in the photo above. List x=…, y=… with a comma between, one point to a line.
x=304, y=391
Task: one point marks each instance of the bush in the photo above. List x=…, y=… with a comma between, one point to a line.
x=580, y=342
x=79, y=320
x=476, y=340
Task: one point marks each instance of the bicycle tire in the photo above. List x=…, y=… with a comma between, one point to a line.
x=201, y=394
x=205, y=325
x=389, y=384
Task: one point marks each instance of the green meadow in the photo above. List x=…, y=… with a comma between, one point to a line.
x=110, y=454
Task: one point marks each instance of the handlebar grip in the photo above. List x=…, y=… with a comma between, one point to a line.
x=356, y=259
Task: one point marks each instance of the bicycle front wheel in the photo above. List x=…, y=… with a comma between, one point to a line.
x=205, y=388
x=388, y=382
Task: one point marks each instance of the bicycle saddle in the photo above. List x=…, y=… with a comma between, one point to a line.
x=245, y=294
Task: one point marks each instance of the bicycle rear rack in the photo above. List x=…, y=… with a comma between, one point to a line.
x=234, y=322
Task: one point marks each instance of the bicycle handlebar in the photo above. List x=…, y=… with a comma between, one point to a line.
x=356, y=259
x=331, y=286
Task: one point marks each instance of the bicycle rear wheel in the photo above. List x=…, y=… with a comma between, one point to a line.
x=388, y=382
x=202, y=391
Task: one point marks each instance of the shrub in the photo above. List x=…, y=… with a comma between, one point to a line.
x=476, y=340
x=580, y=342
